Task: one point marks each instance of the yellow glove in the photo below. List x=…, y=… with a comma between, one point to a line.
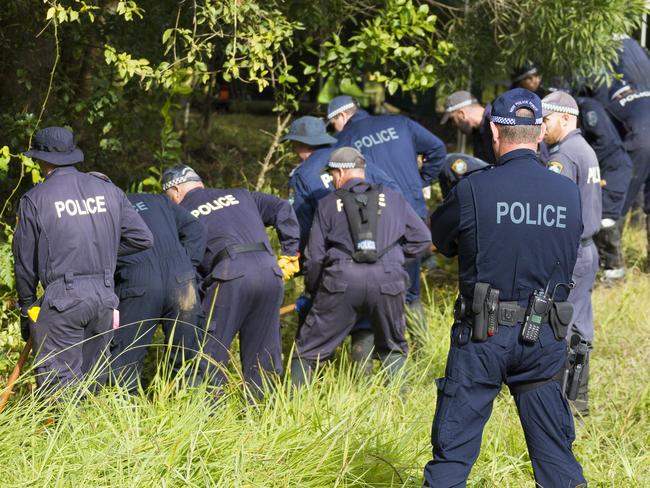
x=289, y=266
x=33, y=312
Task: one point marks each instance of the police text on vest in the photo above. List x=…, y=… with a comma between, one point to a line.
x=87, y=206
x=527, y=214
x=216, y=204
x=380, y=137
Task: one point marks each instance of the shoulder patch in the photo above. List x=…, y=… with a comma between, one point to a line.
x=555, y=166
x=459, y=167
x=591, y=118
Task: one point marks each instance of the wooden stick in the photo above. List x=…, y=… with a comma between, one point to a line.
x=283, y=310
x=13, y=377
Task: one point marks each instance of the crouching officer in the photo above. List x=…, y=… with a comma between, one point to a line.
x=571, y=156
x=159, y=285
x=354, y=266
x=70, y=230
x=242, y=282
x=516, y=229
x=457, y=166
x=616, y=173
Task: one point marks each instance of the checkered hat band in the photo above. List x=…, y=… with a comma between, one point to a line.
x=560, y=108
x=339, y=110
x=174, y=182
x=342, y=164
x=511, y=121
x=460, y=105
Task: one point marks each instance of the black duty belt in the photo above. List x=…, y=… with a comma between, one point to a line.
x=586, y=242
x=509, y=313
x=234, y=249
x=69, y=278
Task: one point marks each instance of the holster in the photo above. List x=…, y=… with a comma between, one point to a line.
x=560, y=318
x=480, y=311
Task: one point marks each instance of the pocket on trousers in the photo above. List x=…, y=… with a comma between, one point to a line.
x=184, y=277
x=333, y=285
x=393, y=289
x=62, y=304
x=135, y=291
x=447, y=418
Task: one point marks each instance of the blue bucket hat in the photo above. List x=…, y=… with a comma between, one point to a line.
x=309, y=130
x=340, y=104
x=507, y=104
x=55, y=145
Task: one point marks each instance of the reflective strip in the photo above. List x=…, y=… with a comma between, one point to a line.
x=460, y=105
x=343, y=108
x=560, y=108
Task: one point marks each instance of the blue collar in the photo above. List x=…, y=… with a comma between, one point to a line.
x=62, y=170
x=516, y=154
x=348, y=185
x=556, y=147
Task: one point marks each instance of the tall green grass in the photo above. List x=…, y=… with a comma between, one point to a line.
x=343, y=430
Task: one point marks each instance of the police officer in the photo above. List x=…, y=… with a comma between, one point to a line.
x=354, y=266
x=516, y=229
x=70, y=230
x=242, y=282
x=159, y=285
x=630, y=111
x=616, y=172
x=527, y=76
x=307, y=185
x=571, y=156
x=471, y=118
x=457, y=166
x=393, y=143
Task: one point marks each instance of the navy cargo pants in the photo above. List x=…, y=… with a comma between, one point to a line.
x=347, y=292
x=150, y=294
x=73, y=331
x=248, y=304
x=473, y=378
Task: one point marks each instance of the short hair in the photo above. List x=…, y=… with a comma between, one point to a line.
x=520, y=134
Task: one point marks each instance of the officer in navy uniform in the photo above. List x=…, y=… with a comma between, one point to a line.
x=630, y=112
x=159, y=285
x=242, y=279
x=307, y=185
x=354, y=266
x=571, y=156
x=615, y=172
x=393, y=142
x=471, y=118
x=516, y=230
x=527, y=76
x=457, y=166
x=70, y=231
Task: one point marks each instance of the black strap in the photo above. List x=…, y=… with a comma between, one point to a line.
x=520, y=388
x=362, y=211
x=234, y=249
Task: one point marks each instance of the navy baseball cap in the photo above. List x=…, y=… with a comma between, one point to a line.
x=345, y=158
x=507, y=104
x=55, y=145
x=340, y=104
x=176, y=175
x=309, y=130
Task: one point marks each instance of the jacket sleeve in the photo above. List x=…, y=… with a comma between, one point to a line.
x=432, y=149
x=25, y=250
x=279, y=214
x=304, y=208
x=135, y=236
x=315, y=254
x=191, y=232
x=445, y=223
x=417, y=237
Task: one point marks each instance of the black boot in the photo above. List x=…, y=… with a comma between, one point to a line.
x=362, y=348
x=301, y=371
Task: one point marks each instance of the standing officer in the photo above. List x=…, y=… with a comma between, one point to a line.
x=393, y=143
x=307, y=185
x=354, y=266
x=70, y=230
x=527, y=76
x=471, y=118
x=516, y=229
x=242, y=282
x=159, y=285
x=615, y=172
x=571, y=156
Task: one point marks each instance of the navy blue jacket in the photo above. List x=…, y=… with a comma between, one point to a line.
x=73, y=224
x=308, y=184
x=393, y=143
x=482, y=139
x=615, y=163
x=178, y=235
x=509, y=225
x=237, y=216
x=631, y=115
x=457, y=166
x=634, y=64
x=330, y=233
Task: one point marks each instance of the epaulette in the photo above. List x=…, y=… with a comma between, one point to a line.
x=99, y=175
